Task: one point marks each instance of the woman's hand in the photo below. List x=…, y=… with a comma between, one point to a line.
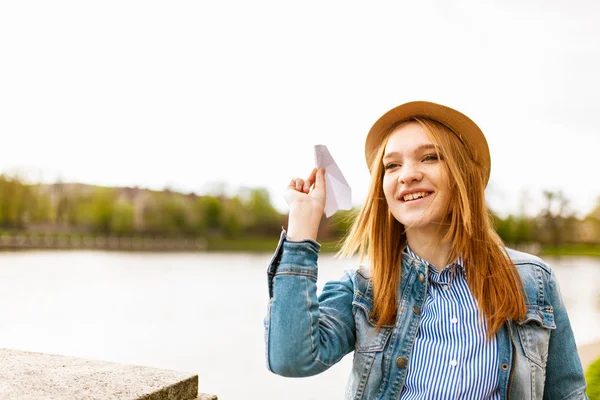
x=311, y=191
x=307, y=204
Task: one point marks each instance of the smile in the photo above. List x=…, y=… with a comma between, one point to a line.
x=415, y=196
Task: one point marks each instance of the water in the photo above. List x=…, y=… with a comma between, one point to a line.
x=195, y=312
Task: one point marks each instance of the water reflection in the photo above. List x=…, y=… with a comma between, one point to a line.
x=579, y=279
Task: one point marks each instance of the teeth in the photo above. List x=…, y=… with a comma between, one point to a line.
x=413, y=196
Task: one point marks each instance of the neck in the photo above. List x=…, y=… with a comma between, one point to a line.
x=430, y=247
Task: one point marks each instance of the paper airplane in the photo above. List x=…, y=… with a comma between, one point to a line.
x=338, y=193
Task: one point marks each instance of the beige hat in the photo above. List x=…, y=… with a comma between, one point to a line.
x=466, y=130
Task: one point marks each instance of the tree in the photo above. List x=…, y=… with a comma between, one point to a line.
x=122, y=219
x=16, y=202
x=264, y=219
x=102, y=210
x=554, y=224
x=235, y=219
x=209, y=214
x=523, y=230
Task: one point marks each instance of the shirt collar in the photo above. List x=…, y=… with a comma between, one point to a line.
x=456, y=264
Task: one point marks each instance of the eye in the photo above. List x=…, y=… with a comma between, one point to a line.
x=391, y=166
x=431, y=157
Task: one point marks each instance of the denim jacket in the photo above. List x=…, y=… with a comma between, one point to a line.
x=305, y=335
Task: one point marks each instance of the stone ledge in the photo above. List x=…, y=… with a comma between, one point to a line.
x=32, y=376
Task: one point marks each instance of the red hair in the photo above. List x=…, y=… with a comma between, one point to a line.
x=491, y=275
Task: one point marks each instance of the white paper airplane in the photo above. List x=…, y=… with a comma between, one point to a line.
x=338, y=193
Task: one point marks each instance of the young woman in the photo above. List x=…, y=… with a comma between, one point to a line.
x=444, y=310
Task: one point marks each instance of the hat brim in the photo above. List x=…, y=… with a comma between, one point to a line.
x=467, y=131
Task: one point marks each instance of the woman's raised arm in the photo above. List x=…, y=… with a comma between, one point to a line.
x=305, y=335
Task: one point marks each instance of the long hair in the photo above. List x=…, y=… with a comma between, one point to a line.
x=492, y=277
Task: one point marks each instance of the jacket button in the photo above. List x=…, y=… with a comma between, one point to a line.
x=505, y=367
x=421, y=278
x=401, y=362
x=417, y=310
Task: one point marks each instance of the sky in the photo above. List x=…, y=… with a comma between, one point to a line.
x=206, y=96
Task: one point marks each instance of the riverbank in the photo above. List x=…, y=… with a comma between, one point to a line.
x=578, y=249
x=21, y=241
x=268, y=244
x=257, y=244
x=89, y=242
x=26, y=241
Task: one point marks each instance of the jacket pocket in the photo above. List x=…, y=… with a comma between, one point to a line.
x=368, y=338
x=534, y=332
x=368, y=365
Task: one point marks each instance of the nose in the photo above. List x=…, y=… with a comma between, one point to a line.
x=410, y=173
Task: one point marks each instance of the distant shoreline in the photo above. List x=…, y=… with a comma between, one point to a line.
x=72, y=241
x=584, y=250
x=36, y=241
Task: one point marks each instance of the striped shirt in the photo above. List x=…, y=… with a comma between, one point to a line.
x=451, y=357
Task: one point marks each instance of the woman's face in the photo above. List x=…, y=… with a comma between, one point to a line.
x=415, y=182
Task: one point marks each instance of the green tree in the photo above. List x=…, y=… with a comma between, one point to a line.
x=523, y=230
x=264, y=219
x=16, y=200
x=122, y=219
x=235, y=218
x=553, y=225
x=102, y=210
x=41, y=207
x=174, y=216
x=505, y=228
x=209, y=210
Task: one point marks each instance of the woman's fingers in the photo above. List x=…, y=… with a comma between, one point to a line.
x=314, y=180
x=310, y=180
x=320, y=179
x=292, y=184
x=312, y=189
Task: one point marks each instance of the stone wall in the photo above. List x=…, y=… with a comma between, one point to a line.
x=33, y=376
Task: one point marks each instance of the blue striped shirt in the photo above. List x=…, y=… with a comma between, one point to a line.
x=451, y=357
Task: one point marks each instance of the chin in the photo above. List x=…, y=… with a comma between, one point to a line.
x=418, y=224
x=418, y=221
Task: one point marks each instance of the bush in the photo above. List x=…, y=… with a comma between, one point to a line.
x=592, y=376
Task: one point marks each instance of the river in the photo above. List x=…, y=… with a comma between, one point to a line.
x=195, y=312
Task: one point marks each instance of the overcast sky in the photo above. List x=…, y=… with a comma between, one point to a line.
x=188, y=94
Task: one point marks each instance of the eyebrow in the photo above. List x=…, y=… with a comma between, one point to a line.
x=419, y=149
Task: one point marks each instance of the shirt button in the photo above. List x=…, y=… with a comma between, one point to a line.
x=421, y=278
x=453, y=363
x=417, y=310
x=401, y=362
x=454, y=320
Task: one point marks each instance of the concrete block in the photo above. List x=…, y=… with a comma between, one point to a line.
x=32, y=376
